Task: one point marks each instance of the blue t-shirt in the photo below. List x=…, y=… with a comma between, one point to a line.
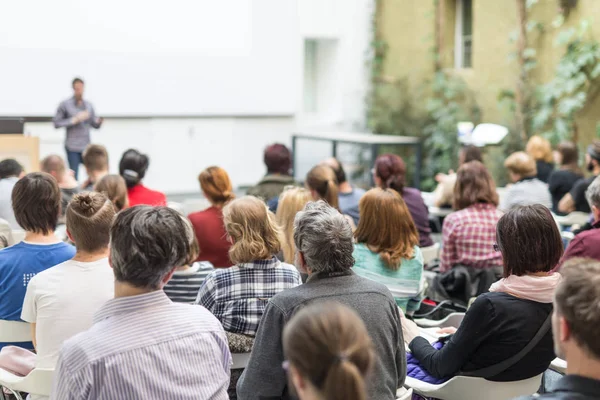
x=349, y=203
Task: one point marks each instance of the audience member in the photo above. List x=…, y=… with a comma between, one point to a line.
x=61, y=301
x=115, y=188
x=526, y=189
x=36, y=204
x=348, y=195
x=386, y=248
x=322, y=183
x=10, y=172
x=587, y=243
x=390, y=172
x=237, y=296
x=132, y=168
x=329, y=353
x=469, y=233
x=561, y=181
x=278, y=160
x=499, y=324
x=291, y=201
x=55, y=166
x=95, y=161
x=208, y=224
x=575, y=200
x=189, y=278
x=324, y=248
x=576, y=326
x=6, y=236
x=142, y=345
x=443, y=196
x=540, y=150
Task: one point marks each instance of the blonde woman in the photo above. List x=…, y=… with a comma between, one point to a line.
x=291, y=201
x=541, y=151
x=237, y=296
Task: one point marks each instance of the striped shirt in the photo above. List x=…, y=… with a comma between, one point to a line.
x=145, y=347
x=185, y=285
x=238, y=295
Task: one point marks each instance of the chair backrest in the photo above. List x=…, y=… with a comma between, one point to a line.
x=14, y=331
x=404, y=394
x=453, y=320
x=18, y=235
x=240, y=360
x=430, y=253
x=39, y=382
x=559, y=365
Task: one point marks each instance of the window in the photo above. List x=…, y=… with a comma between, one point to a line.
x=463, y=38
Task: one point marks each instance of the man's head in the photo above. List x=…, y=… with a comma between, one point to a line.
x=89, y=217
x=592, y=156
x=146, y=245
x=592, y=195
x=10, y=168
x=278, y=159
x=55, y=166
x=36, y=203
x=337, y=167
x=323, y=239
x=576, y=317
x=78, y=88
x=95, y=159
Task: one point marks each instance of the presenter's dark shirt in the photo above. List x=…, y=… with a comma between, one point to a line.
x=78, y=135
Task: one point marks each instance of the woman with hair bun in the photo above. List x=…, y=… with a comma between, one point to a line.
x=132, y=168
x=208, y=224
x=329, y=353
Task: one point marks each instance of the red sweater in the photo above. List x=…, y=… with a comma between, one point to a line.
x=211, y=235
x=140, y=194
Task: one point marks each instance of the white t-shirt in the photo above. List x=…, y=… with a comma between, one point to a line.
x=62, y=301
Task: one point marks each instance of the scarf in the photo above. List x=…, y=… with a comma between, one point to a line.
x=535, y=288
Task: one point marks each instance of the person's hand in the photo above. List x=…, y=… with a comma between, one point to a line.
x=449, y=330
x=439, y=178
x=99, y=121
x=410, y=330
x=82, y=116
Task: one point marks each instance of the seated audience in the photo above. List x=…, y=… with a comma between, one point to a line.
x=322, y=183
x=6, y=236
x=329, y=354
x=95, y=161
x=115, y=188
x=502, y=322
x=237, y=296
x=540, y=150
x=55, y=166
x=526, y=189
x=562, y=180
x=348, y=195
x=576, y=326
x=132, y=168
x=278, y=160
x=323, y=240
x=142, y=345
x=61, y=301
x=36, y=203
x=469, y=233
x=291, y=201
x=386, y=248
x=208, y=224
x=443, y=196
x=390, y=172
x=189, y=278
x=575, y=200
x=10, y=172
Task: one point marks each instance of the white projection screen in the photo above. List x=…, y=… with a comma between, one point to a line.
x=151, y=58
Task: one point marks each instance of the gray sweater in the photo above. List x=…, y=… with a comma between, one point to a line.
x=264, y=377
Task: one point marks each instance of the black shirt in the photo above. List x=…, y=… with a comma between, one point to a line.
x=560, y=183
x=572, y=387
x=496, y=327
x=544, y=169
x=578, y=194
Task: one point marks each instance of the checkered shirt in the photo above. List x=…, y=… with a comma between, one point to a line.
x=469, y=236
x=238, y=295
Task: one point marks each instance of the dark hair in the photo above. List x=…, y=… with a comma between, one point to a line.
x=133, y=167
x=471, y=153
x=95, y=158
x=10, y=167
x=89, y=216
x=114, y=187
x=77, y=80
x=474, y=184
x=36, y=202
x=278, y=159
x=146, y=244
x=570, y=156
x=338, y=169
x=529, y=240
x=391, y=169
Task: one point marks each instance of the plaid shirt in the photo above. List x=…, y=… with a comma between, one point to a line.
x=238, y=295
x=469, y=236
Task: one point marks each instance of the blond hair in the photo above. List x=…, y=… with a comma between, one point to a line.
x=322, y=180
x=253, y=230
x=291, y=201
x=521, y=163
x=539, y=148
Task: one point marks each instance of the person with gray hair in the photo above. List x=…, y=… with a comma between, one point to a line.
x=324, y=246
x=140, y=340
x=587, y=242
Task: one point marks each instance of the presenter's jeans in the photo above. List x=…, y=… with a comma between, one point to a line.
x=74, y=159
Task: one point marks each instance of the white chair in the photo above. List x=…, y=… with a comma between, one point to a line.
x=18, y=235
x=14, y=331
x=559, y=365
x=469, y=388
x=240, y=360
x=177, y=207
x=430, y=253
x=574, y=218
x=404, y=394
x=38, y=382
x=453, y=319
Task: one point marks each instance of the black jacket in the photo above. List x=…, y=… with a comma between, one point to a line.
x=572, y=387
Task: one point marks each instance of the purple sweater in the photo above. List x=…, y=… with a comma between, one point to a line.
x=420, y=214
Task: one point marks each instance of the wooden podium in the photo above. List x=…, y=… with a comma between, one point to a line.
x=24, y=149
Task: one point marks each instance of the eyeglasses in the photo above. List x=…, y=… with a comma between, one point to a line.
x=496, y=247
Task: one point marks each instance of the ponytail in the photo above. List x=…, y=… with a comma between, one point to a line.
x=331, y=194
x=322, y=180
x=344, y=382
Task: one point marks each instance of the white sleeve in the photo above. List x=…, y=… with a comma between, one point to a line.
x=29, y=311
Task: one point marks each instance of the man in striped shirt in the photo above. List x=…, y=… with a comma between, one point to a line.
x=142, y=345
